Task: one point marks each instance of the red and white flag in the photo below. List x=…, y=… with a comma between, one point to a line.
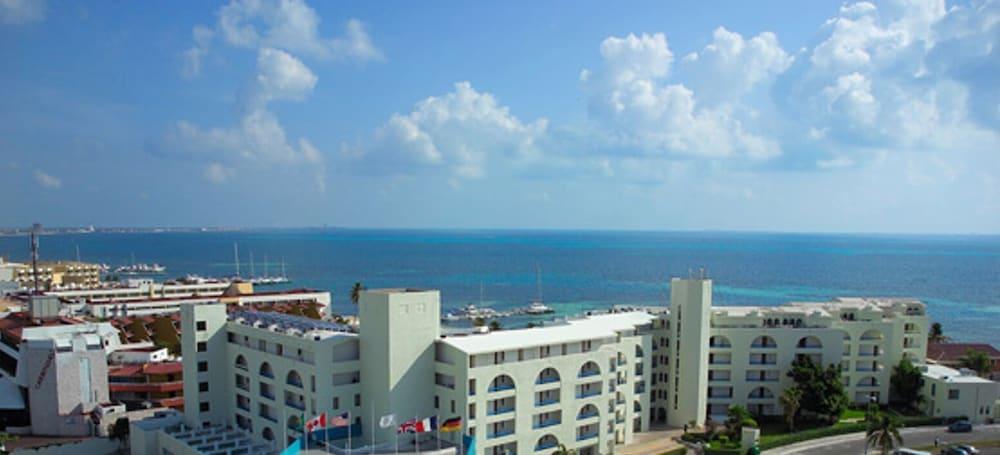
x=418, y=425
x=341, y=420
x=316, y=423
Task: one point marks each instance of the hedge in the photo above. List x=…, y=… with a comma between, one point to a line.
x=767, y=443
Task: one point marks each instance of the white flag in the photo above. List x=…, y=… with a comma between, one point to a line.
x=387, y=421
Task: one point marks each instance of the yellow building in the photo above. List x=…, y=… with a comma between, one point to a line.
x=58, y=274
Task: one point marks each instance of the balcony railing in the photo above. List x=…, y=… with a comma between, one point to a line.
x=587, y=415
x=267, y=394
x=545, y=446
x=588, y=393
x=500, y=433
x=547, y=423
x=547, y=380
x=501, y=387
x=546, y=401
x=586, y=436
x=588, y=373
x=296, y=405
x=499, y=411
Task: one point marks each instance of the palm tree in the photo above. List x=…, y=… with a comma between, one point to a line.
x=356, y=292
x=563, y=450
x=739, y=417
x=936, y=334
x=977, y=361
x=791, y=401
x=883, y=432
x=495, y=325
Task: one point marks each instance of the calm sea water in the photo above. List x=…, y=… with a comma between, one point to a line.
x=959, y=277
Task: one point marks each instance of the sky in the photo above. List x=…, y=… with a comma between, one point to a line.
x=814, y=116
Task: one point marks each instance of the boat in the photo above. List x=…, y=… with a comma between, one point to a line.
x=537, y=307
x=141, y=269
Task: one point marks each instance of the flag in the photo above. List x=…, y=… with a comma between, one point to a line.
x=387, y=421
x=341, y=420
x=452, y=424
x=418, y=425
x=410, y=426
x=294, y=449
x=316, y=423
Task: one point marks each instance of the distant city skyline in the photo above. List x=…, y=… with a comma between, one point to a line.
x=776, y=116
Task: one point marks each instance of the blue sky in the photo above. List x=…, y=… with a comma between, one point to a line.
x=774, y=115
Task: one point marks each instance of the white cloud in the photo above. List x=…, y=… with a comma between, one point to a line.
x=639, y=109
x=22, y=11
x=460, y=132
x=192, y=57
x=259, y=137
x=291, y=25
x=217, y=173
x=47, y=180
x=731, y=65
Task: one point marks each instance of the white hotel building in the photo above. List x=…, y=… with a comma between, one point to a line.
x=589, y=383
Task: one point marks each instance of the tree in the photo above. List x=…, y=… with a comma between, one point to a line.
x=822, y=389
x=791, y=401
x=495, y=325
x=977, y=361
x=737, y=418
x=119, y=431
x=905, y=384
x=4, y=439
x=479, y=321
x=356, y=292
x=883, y=431
x=563, y=450
x=936, y=334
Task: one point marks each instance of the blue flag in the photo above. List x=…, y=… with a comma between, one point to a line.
x=470, y=444
x=293, y=449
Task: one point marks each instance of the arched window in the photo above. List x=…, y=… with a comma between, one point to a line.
x=760, y=393
x=266, y=371
x=764, y=341
x=809, y=342
x=502, y=382
x=719, y=341
x=294, y=379
x=546, y=442
x=587, y=412
x=241, y=362
x=590, y=369
x=548, y=376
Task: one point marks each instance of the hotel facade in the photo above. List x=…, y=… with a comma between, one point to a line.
x=590, y=383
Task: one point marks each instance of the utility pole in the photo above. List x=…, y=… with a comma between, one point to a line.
x=35, y=231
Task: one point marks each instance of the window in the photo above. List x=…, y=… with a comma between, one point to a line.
x=201, y=326
x=203, y=387
x=498, y=358
x=520, y=355
x=203, y=407
x=585, y=346
x=202, y=346
x=202, y=366
x=452, y=406
x=336, y=402
x=472, y=411
x=952, y=394
x=472, y=386
x=544, y=351
x=933, y=389
x=437, y=401
x=357, y=399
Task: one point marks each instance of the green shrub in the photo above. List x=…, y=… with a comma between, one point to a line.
x=767, y=443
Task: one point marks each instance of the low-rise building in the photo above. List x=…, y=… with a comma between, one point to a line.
x=959, y=393
x=951, y=355
x=147, y=385
x=54, y=275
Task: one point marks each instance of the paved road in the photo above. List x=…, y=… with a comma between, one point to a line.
x=854, y=443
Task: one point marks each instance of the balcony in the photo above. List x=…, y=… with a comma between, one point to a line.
x=500, y=433
x=763, y=346
x=267, y=394
x=243, y=405
x=301, y=406
x=588, y=373
x=546, y=401
x=588, y=393
x=546, y=445
x=587, y=415
x=547, y=380
x=500, y=411
x=586, y=436
x=501, y=387
x=546, y=423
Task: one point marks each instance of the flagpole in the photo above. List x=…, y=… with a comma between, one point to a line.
x=371, y=407
x=326, y=438
x=416, y=435
x=437, y=423
x=349, y=445
x=305, y=434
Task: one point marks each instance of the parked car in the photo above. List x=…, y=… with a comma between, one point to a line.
x=960, y=426
x=953, y=451
x=968, y=449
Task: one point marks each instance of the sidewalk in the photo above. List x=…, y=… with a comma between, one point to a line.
x=653, y=442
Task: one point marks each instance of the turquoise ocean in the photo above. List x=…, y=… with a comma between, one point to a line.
x=958, y=276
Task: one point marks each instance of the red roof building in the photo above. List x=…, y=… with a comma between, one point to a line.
x=950, y=354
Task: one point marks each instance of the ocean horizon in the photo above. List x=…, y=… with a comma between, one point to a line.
x=581, y=270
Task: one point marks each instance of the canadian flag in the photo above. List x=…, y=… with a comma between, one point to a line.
x=316, y=423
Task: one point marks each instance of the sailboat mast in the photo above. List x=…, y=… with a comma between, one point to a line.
x=78, y=253
x=283, y=267
x=252, y=273
x=236, y=256
x=265, y=265
x=539, y=284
